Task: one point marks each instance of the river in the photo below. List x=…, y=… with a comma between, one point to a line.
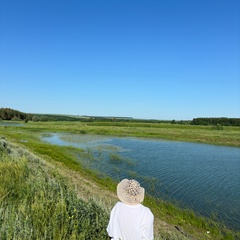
x=201, y=177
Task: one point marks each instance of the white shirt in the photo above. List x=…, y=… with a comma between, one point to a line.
x=130, y=222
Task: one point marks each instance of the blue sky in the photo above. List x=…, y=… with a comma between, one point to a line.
x=143, y=59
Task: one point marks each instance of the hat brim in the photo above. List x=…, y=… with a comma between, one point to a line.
x=125, y=197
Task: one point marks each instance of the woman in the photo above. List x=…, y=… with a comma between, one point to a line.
x=129, y=219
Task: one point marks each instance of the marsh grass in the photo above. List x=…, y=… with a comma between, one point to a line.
x=116, y=158
x=133, y=174
x=152, y=182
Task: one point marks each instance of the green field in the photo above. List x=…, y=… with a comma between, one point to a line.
x=229, y=136
x=54, y=168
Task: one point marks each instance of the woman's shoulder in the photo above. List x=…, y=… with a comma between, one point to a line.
x=118, y=205
x=149, y=212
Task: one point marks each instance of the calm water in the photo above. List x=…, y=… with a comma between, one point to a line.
x=204, y=178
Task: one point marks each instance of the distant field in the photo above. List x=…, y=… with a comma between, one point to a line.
x=228, y=136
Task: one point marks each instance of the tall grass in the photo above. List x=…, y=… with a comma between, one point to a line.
x=36, y=203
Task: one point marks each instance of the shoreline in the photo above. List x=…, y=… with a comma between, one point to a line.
x=104, y=191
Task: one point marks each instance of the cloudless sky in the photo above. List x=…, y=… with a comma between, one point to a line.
x=163, y=59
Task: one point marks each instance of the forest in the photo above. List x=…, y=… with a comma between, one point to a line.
x=214, y=121
x=11, y=114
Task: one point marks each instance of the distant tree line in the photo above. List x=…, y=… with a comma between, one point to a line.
x=15, y=115
x=51, y=117
x=11, y=114
x=119, y=119
x=216, y=121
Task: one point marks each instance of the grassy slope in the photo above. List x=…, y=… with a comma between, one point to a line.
x=36, y=203
x=103, y=189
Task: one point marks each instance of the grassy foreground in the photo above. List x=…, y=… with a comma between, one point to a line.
x=37, y=203
x=38, y=196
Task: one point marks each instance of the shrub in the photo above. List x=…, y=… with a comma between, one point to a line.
x=35, y=118
x=218, y=127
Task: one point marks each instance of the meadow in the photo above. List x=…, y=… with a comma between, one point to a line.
x=228, y=135
x=51, y=196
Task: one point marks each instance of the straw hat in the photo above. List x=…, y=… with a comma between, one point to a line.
x=130, y=192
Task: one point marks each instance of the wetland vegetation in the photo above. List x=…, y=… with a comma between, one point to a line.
x=171, y=221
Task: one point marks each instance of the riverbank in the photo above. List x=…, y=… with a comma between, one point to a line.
x=59, y=203
x=93, y=195
x=171, y=222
